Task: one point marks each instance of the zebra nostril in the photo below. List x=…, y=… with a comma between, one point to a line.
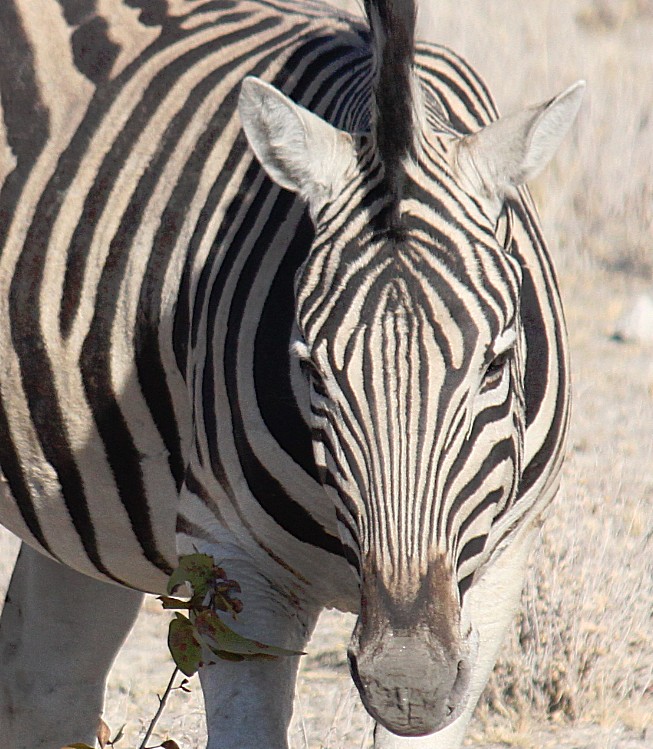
x=353, y=667
x=461, y=683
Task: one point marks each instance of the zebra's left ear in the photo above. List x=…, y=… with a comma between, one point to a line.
x=299, y=150
x=510, y=151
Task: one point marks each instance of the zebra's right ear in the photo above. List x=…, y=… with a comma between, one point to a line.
x=299, y=150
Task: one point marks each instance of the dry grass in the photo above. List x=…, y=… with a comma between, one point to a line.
x=582, y=648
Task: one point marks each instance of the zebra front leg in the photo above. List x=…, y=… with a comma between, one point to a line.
x=249, y=704
x=490, y=605
x=59, y=633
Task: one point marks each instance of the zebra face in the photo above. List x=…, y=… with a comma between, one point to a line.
x=414, y=364
x=411, y=343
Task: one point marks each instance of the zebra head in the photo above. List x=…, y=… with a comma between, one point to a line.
x=410, y=336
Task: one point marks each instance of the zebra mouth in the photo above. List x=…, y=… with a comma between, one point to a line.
x=407, y=687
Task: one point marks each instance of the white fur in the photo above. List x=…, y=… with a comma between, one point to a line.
x=299, y=150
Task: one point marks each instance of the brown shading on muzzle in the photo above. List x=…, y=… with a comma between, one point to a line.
x=407, y=656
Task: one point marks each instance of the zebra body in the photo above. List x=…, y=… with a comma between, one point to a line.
x=121, y=211
x=191, y=359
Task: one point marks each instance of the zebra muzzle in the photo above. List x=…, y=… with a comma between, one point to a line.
x=408, y=658
x=409, y=684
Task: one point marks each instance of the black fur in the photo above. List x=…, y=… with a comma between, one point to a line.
x=393, y=37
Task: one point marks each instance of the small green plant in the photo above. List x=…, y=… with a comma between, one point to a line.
x=202, y=636
x=197, y=637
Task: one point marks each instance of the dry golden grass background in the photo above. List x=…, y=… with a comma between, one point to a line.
x=580, y=655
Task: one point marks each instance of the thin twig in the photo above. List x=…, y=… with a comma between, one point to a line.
x=162, y=704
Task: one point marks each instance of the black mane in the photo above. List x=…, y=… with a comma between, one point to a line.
x=392, y=23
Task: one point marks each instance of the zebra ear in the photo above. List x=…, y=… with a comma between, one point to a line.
x=299, y=150
x=514, y=149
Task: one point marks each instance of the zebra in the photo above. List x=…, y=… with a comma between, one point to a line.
x=272, y=289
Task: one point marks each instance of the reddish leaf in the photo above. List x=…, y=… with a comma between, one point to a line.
x=227, y=586
x=221, y=603
x=184, y=647
x=103, y=734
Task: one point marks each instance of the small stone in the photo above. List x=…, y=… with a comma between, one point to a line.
x=636, y=325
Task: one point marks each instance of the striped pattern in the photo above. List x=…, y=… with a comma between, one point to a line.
x=397, y=325
x=148, y=315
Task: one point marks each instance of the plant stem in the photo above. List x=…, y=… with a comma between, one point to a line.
x=162, y=704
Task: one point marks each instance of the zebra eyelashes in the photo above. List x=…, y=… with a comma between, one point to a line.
x=498, y=356
x=306, y=364
x=308, y=369
x=302, y=352
x=300, y=349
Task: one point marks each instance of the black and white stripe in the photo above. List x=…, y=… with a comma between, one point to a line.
x=152, y=279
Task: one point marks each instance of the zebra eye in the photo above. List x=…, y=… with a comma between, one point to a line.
x=307, y=368
x=498, y=363
x=495, y=369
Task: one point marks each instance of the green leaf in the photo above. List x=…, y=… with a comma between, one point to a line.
x=196, y=569
x=223, y=640
x=233, y=657
x=183, y=645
